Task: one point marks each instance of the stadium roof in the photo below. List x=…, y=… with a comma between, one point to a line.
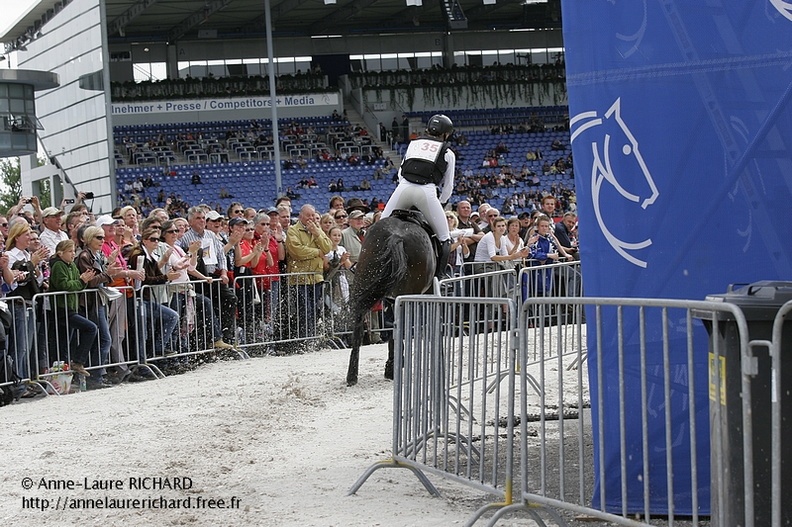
x=173, y=20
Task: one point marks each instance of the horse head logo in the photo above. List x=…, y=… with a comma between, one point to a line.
x=783, y=7
x=618, y=149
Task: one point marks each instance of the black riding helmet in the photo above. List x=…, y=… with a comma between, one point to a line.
x=439, y=125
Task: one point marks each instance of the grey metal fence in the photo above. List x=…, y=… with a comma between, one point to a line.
x=590, y=406
x=449, y=416
x=624, y=410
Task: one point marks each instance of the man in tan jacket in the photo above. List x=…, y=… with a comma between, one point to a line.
x=306, y=244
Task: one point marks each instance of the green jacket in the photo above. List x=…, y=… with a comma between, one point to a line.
x=65, y=277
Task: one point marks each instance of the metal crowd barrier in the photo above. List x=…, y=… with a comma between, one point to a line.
x=447, y=420
x=43, y=335
x=778, y=391
x=491, y=280
x=562, y=279
x=603, y=413
x=273, y=311
x=159, y=325
x=530, y=280
x=18, y=341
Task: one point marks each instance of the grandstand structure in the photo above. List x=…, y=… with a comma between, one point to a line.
x=101, y=50
x=240, y=169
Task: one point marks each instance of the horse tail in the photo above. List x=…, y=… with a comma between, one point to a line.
x=396, y=256
x=386, y=267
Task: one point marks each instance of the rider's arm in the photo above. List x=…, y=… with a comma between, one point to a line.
x=448, y=176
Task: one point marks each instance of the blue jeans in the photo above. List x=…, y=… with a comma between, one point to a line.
x=160, y=319
x=98, y=315
x=79, y=334
x=21, y=337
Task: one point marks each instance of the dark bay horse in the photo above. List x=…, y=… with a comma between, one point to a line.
x=397, y=258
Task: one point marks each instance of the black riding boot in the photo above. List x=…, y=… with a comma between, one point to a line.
x=442, y=262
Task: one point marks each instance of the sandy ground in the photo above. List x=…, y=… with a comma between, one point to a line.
x=279, y=439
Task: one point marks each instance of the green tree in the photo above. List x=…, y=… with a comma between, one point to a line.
x=45, y=194
x=11, y=183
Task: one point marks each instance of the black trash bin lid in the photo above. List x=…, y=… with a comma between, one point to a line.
x=759, y=300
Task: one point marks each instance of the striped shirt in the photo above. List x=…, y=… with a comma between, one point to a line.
x=210, y=241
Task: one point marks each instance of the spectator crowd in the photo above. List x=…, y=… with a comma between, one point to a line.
x=108, y=295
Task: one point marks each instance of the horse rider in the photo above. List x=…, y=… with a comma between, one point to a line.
x=428, y=162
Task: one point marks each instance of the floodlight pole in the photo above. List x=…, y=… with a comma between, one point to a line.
x=273, y=99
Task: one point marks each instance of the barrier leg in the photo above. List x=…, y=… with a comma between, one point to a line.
x=392, y=463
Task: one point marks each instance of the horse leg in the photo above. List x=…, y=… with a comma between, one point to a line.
x=352, y=371
x=354, y=355
x=389, y=362
x=387, y=316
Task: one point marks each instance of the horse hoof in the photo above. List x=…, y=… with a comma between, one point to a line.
x=351, y=382
x=389, y=372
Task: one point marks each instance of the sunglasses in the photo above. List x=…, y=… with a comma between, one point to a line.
x=341, y=216
x=99, y=237
x=153, y=239
x=250, y=230
x=3, y=225
x=171, y=231
x=266, y=224
x=237, y=211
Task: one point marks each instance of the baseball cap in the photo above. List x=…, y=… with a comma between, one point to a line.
x=51, y=211
x=213, y=215
x=105, y=219
x=355, y=214
x=273, y=210
x=236, y=221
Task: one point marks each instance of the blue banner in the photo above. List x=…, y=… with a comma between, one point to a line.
x=680, y=125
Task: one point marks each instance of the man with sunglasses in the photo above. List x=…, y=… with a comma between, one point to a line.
x=51, y=233
x=235, y=210
x=342, y=218
x=491, y=215
x=4, y=226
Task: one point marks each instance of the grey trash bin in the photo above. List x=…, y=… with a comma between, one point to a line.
x=759, y=302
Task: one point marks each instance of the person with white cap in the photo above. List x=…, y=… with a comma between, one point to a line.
x=429, y=162
x=51, y=235
x=120, y=324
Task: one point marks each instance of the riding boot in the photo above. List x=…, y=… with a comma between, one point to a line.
x=442, y=262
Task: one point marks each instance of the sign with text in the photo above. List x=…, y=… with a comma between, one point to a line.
x=317, y=100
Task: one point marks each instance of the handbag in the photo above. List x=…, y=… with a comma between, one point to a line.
x=108, y=294
x=508, y=265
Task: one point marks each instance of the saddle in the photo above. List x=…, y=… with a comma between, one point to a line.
x=416, y=216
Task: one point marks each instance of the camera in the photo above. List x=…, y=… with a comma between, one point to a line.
x=26, y=200
x=89, y=195
x=69, y=201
